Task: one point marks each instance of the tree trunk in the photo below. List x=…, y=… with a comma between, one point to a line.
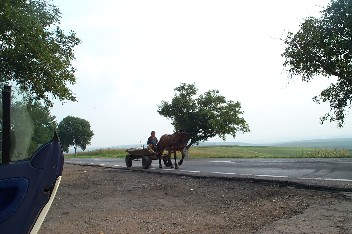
x=189, y=145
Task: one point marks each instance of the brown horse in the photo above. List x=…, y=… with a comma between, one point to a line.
x=173, y=143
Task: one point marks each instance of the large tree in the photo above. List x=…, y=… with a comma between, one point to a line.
x=35, y=54
x=323, y=46
x=76, y=132
x=203, y=116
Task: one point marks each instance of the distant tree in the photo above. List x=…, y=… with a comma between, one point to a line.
x=76, y=132
x=322, y=46
x=35, y=54
x=204, y=116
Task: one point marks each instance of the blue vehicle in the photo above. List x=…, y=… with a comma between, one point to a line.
x=27, y=186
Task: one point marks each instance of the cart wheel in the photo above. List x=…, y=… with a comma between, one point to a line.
x=165, y=161
x=128, y=161
x=146, y=162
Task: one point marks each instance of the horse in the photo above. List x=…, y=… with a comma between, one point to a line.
x=172, y=143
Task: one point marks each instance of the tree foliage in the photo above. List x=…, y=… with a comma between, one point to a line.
x=35, y=54
x=74, y=131
x=204, y=116
x=322, y=46
x=32, y=126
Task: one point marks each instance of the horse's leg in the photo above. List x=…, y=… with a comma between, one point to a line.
x=181, y=161
x=169, y=163
x=159, y=155
x=176, y=166
x=183, y=156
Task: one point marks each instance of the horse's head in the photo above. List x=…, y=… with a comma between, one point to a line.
x=182, y=135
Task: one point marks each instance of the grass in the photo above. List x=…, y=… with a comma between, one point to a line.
x=235, y=152
x=266, y=152
x=100, y=153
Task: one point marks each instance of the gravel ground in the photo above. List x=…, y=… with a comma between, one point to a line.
x=101, y=200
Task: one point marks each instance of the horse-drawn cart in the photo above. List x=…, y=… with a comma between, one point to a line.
x=147, y=155
x=172, y=143
x=136, y=154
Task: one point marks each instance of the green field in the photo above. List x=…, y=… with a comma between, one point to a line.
x=236, y=152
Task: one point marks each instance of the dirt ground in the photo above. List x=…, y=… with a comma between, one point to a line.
x=101, y=200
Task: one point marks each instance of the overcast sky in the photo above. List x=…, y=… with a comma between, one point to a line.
x=134, y=53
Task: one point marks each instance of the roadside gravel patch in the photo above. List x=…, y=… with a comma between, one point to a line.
x=101, y=200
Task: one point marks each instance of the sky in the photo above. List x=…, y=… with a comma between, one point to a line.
x=134, y=53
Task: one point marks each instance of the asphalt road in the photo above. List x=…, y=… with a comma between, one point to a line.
x=332, y=174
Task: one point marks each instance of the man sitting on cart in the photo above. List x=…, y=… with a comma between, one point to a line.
x=152, y=141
